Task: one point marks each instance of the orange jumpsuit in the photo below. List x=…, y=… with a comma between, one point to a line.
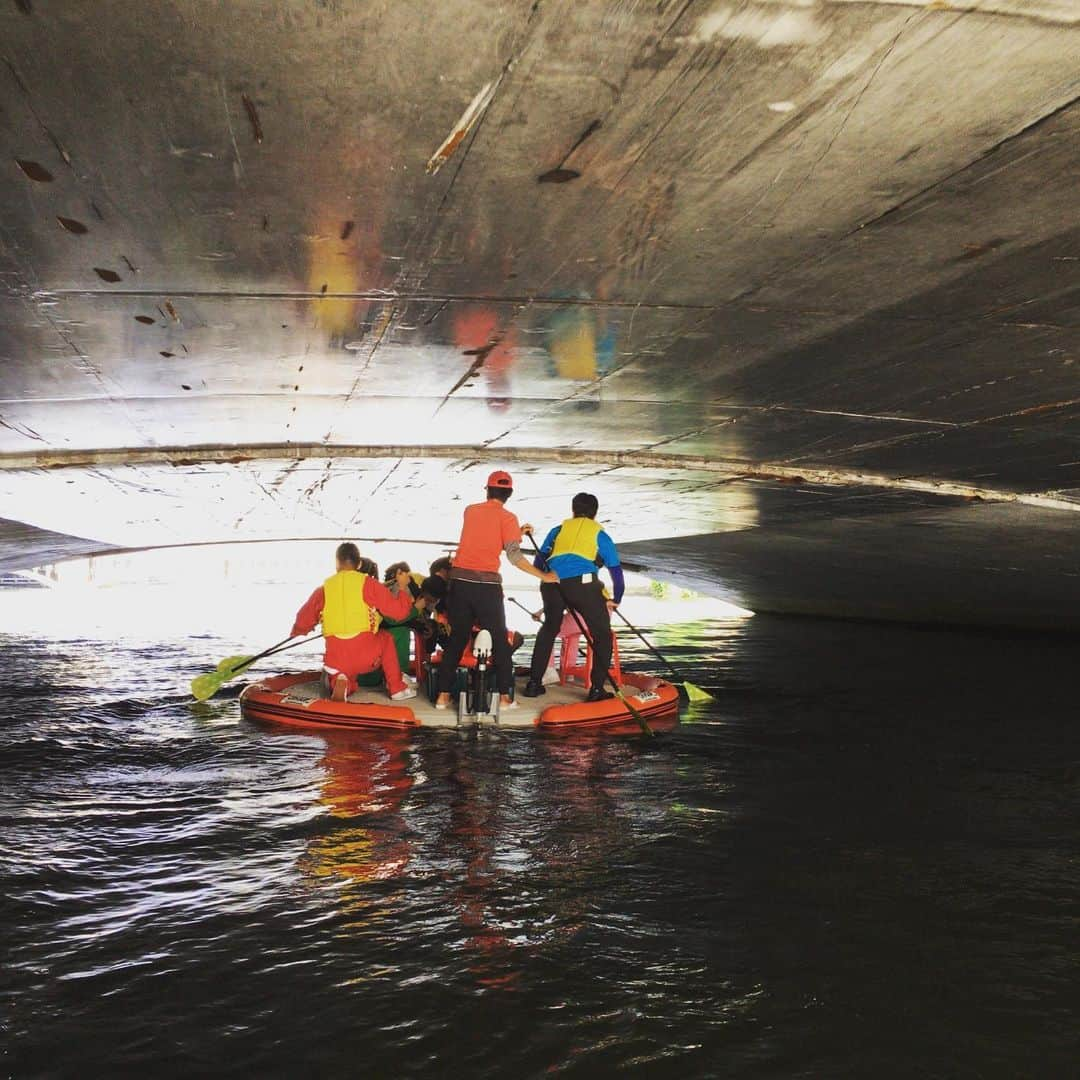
x=365, y=652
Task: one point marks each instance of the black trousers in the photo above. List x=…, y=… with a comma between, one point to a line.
x=479, y=603
x=588, y=600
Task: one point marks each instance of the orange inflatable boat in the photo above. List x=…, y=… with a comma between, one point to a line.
x=297, y=700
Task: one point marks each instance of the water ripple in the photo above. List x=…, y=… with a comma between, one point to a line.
x=846, y=865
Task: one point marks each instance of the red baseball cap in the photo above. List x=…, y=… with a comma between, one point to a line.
x=500, y=479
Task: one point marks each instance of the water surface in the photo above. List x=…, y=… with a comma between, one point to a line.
x=861, y=860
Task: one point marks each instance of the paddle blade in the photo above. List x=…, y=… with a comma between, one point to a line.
x=206, y=686
x=231, y=662
x=695, y=693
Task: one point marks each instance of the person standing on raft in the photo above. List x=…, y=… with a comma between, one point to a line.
x=476, y=595
x=576, y=550
x=349, y=605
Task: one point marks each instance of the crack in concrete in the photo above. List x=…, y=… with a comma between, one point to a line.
x=374, y=491
x=425, y=230
x=381, y=327
x=653, y=137
x=844, y=120
x=978, y=7
x=21, y=429
x=46, y=131
x=1026, y=130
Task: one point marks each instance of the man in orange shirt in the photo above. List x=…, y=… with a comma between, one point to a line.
x=348, y=605
x=476, y=595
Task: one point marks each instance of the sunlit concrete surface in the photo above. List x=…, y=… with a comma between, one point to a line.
x=788, y=284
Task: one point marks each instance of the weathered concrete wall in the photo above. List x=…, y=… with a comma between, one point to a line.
x=688, y=242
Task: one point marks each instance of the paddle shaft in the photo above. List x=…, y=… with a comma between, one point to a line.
x=649, y=645
x=284, y=648
x=588, y=637
x=522, y=606
x=694, y=693
x=281, y=646
x=267, y=652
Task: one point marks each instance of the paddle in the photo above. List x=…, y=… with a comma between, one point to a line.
x=642, y=722
x=206, y=686
x=523, y=608
x=694, y=693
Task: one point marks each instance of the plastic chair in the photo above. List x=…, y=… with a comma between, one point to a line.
x=572, y=668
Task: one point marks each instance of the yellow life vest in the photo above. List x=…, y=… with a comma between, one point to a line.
x=577, y=536
x=345, y=612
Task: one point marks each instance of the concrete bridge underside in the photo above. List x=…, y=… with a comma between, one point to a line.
x=793, y=285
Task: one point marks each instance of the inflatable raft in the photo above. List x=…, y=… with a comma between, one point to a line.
x=296, y=700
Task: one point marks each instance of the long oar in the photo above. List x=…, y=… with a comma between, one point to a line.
x=234, y=663
x=694, y=693
x=642, y=722
x=206, y=686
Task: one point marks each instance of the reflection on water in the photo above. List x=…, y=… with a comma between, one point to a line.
x=491, y=345
x=858, y=861
x=366, y=782
x=580, y=342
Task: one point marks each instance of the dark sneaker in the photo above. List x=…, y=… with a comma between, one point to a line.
x=533, y=689
x=598, y=694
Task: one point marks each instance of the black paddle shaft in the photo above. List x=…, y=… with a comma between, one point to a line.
x=523, y=608
x=649, y=645
x=281, y=646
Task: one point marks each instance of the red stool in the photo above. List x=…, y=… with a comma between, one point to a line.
x=572, y=668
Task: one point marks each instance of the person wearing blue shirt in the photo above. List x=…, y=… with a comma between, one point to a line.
x=575, y=551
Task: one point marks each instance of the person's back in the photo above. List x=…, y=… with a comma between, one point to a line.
x=488, y=531
x=576, y=550
x=350, y=605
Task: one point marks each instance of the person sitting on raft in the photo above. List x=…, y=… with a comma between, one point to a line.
x=348, y=605
x=576, y=550
x=427, y=595
x=441, y=568
x=433, y=593
x=431, y=618
x=415, y=580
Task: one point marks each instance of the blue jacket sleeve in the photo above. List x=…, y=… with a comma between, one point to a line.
x=617, y=582
x=605, y=548
x=540, y=562
x=609, y=557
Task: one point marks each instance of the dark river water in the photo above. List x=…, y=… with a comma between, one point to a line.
x=862, y=860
